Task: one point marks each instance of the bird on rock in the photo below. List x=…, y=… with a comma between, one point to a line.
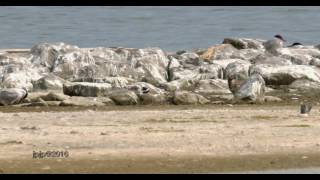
x=272, y=46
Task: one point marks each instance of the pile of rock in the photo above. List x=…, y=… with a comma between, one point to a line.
x=238, y=70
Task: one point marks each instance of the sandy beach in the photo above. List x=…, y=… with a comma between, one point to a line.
x=159, y=139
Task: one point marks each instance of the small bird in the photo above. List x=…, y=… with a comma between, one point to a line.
x=12, y=96
x=145, y=90
x=305, y=108
x=273, y=45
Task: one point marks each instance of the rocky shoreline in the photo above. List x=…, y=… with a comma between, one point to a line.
x=239, y=70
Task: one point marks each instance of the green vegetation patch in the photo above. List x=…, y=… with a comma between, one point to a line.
x=164, y=120
x=298, y=125
x=261, y=117
x=295, y=125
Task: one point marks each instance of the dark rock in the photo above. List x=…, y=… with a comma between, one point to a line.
x=181, y=52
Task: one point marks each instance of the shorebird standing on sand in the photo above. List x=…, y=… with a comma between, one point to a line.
x=272, y=46
x=305, y=108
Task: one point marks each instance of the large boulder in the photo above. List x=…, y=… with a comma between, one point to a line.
x=49, y=82
x=12, y=96
x=86, y=89
x=237, y=69
x=76, y=64
x=300, y=56
x=20, y=69
x=47, y=54
x=148, y=65
x=251, y=90
x=28, y=67
x=285, y=75
x=19, y=76
x=233, y=66
x=72, y=63
x=123, y=97
x=298, y=59
x=215, y=90
x=236, y=73
x=188, y=98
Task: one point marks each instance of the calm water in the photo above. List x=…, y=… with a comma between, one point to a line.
x=171, y=28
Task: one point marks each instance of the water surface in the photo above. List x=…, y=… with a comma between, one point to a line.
x=168, y=27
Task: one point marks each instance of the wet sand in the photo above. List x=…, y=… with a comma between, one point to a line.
x=159, y=139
